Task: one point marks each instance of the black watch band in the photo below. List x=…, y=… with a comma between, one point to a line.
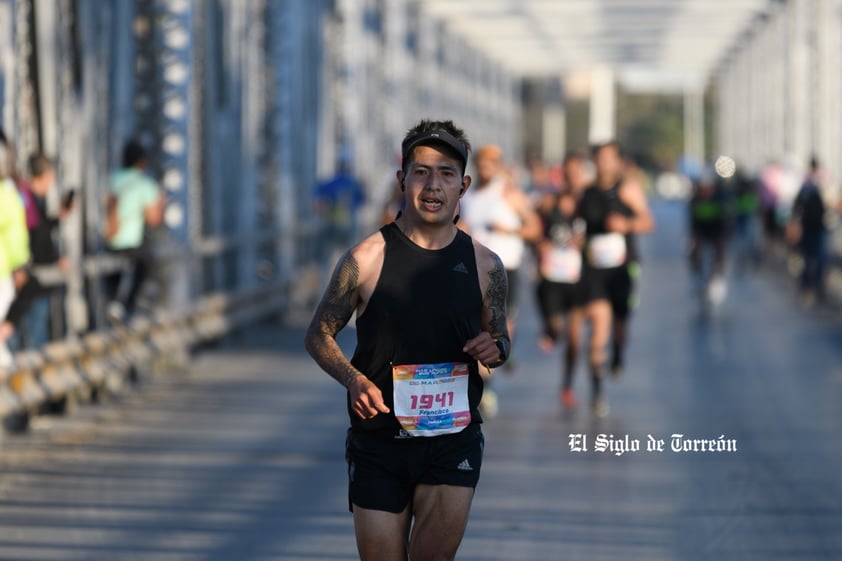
x=503, y=348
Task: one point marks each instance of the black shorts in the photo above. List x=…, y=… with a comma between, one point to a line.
x=558, y=297
x=383, y=471
x=620, y=293
x=615, y=285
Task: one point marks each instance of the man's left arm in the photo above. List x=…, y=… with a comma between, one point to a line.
x=531, y=229
x=491, y=347
x=631, y=193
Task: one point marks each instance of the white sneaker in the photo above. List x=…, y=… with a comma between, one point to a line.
x=115, y=312
x=600, y=407
x=488, y=405
x=717, y=290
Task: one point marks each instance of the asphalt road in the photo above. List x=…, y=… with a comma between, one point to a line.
x=242, y=457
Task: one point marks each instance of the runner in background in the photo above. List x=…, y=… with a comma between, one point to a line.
x=615, y=210
x=709, y=219
x=807, y=231
x=337, y=202
x=559, y=291
x=498, y=214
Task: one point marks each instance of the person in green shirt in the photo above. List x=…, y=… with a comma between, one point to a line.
x=14, y=245
x=14, y=237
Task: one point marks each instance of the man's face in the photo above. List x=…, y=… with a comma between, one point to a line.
x=608, y=162
x=575, y=175
x=433, y=184
x=488, y=166
x=41, y=185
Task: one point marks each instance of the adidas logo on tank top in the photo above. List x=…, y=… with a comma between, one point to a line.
x=461, y=268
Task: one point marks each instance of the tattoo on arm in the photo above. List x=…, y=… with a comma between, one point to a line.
x=332, y=314
x=496, y=307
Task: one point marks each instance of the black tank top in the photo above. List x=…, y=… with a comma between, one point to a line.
x=558, y=226
x=597, y=204
x=425, y=306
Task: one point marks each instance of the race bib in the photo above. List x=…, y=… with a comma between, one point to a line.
x=606, y=251
x=431, y=399
x=561, y=264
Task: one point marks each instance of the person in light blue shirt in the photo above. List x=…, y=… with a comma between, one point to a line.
x=135, y=204
x=137, y=197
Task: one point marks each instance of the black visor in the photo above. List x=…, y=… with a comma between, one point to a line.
x=435, y=137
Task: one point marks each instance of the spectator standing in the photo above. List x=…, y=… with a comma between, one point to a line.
x=14, y=247
x=30, y=313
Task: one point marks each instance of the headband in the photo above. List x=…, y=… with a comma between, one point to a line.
x=432, y=137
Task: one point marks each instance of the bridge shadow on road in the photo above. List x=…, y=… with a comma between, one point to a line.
x=242, y=458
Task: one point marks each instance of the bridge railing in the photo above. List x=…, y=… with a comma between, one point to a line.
x=63, y=373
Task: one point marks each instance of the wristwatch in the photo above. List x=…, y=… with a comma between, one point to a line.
x=504, y=353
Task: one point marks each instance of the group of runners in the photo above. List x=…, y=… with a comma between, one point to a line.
x=583, y=236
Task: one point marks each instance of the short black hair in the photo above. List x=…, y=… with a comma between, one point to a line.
x=133, y=153
x=39, y=164
x=423, y=134
x=572, y=155
x=595, y=149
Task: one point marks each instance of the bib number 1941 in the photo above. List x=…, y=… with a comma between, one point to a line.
x=431, y=399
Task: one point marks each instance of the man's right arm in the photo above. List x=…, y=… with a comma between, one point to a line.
x=332, y=314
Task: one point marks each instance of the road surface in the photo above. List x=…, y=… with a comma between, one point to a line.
x=242, y=457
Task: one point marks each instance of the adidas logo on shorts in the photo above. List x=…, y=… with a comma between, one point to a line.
x=465, y=465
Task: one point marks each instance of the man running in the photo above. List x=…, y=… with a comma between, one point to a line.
x=430, y=305
x=499, y=215
x=559, y=291
x=808, y=230
x=709, y=215
x=614, y=210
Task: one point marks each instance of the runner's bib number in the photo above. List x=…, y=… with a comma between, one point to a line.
x=431, y=399
x=606, y=251
x=562, y=264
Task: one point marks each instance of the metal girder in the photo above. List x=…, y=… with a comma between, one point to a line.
x=550, y=37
